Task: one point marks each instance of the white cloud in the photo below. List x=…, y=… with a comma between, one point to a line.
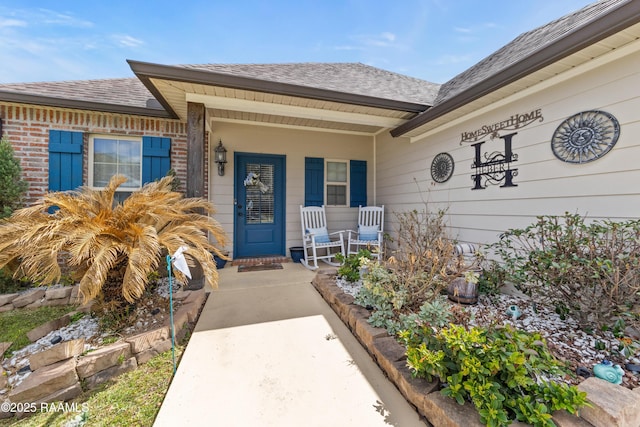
x=125, y=40
x=56, y=18
x=5, y=23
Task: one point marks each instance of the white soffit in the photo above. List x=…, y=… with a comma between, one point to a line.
x=261, y=108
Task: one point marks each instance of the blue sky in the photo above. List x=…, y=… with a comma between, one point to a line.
x=429, y=39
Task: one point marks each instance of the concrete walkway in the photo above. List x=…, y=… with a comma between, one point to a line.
x=268, y=351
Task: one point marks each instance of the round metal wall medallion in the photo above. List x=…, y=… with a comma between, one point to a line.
x=585, y=137
x=442, y=167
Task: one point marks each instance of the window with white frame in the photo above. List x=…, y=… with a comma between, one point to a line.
x=115, y=155
x=337, y=182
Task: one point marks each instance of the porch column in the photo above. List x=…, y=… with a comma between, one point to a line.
x=195, y=149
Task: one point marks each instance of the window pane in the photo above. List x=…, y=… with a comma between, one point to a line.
x=104, y=150
x=259, y=194
x=337, y=171
x=132, y=172
x=102, y=173
x=129, y=151
x=337, y=195
x=113, y=156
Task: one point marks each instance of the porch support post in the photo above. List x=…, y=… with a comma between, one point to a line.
x=195, y=149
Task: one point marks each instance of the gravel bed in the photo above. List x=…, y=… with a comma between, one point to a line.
x=565, y=339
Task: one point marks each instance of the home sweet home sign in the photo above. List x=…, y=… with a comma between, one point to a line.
x=496, y=167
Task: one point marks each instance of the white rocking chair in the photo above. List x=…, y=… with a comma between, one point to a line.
x=318, y=243
x=370, y=231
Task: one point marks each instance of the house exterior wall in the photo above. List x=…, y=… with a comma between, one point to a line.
x=27, y=129
x=295, y=145
x=604, y=188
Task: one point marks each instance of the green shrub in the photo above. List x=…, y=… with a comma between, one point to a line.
x=351, y=264
x=507, y=374
x=12, y=186
x=590, y=271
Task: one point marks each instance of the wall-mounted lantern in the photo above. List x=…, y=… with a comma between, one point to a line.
x=221, y=157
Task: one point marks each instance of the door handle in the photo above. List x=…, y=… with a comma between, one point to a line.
x=240, y=214
x=239, y=206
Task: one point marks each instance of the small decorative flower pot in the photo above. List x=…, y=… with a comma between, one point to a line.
x=462, y=291
x=297, y=253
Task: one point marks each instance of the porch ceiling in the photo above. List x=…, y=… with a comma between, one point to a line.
x=621, y=43
x=271, y=109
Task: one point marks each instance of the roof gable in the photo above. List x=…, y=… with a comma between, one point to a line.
x=352, y=78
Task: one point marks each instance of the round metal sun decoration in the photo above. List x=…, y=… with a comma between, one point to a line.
x=585, y=137
x=442, y=167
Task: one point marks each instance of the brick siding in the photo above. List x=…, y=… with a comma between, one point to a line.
x=27, y=129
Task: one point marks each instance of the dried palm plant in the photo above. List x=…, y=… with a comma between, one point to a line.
x=106, y=242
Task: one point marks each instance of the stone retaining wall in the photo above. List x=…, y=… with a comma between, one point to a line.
x=62, y=372
x=40, y=297
x=612, y=405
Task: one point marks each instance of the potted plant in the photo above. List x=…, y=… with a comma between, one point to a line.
x=221, y=261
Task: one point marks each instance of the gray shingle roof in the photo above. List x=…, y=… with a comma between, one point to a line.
x=127, y=91
x=354, y=78
x=522, y=46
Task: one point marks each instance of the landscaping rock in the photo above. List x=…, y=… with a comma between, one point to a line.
x=64, y=394
x=367, y=333
x=102, y=359
x=198, y=297
x=342, y=306
x=161, y=347
x=56, y=353
x=55, y=302
x=45, y=381
x=387, y=351
x=180, y=317
x=58, y=293
x=102, y=376
x=4, y=346
x=565, y=419
x=147, y=340
x=357, y=312
x=181, y=295
x=442, y=411
x=75, y=298
x=3, y=379
x=612, y=405
x=28, y=298
x=7, y=298
x=6, y=307
x=36, y=333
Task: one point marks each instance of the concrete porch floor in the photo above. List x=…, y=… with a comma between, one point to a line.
x=268, y=351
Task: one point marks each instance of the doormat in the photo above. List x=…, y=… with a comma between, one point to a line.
x=259, y=267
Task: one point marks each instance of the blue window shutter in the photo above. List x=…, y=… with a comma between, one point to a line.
x=313, y=181
x=358, y=183
x=65, y=160
x=156, y=158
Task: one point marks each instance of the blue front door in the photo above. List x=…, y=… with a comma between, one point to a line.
x=259, y=205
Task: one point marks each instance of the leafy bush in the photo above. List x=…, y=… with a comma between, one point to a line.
x=12, y=186
x=425, y=260
x=590, y=271
x=112, y=248
x=504, y=372
x=351, y=264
